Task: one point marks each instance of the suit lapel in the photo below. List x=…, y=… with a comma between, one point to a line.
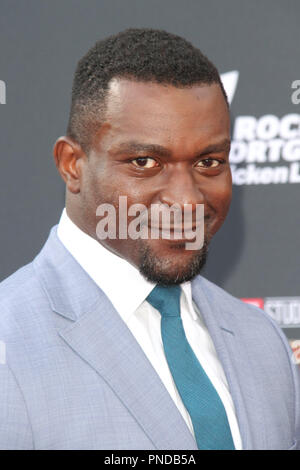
x=103, y=340
x=236, y=364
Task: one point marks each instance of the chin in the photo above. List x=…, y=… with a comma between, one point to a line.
x=172, y=264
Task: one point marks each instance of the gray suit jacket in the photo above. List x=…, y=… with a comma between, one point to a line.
x=74, y=377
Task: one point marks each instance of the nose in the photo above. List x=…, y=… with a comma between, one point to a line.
x=181, y=189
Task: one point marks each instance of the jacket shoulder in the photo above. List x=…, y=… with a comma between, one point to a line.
x=261, y=340
x=21, y=295
x=248, y=320
x=231, y=303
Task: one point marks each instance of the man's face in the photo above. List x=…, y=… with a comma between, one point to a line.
x=159, y=144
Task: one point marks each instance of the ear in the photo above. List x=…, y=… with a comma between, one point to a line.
x=69, y=156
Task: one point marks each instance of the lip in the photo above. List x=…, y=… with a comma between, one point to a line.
x=174, y=230
x=174, y=235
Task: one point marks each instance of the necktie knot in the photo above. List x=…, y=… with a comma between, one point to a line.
x=166, y=300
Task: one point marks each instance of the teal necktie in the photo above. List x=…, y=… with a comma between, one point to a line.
x=199, y=396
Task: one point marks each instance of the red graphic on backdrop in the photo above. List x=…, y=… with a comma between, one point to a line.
x=256, y=301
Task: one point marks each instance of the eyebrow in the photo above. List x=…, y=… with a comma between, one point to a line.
x=136, y=147
x=223, y=146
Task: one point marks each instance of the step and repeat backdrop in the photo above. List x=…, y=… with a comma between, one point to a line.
x=255, y=45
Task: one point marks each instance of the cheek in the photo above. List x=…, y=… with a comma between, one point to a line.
x=97, y=187
x=108, y=189
x=219, y=197
x=136, y=191
x=224, y=199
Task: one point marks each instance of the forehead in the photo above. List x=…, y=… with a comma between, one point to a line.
x=163, y=112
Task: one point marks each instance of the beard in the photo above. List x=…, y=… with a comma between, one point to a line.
x=164, y=271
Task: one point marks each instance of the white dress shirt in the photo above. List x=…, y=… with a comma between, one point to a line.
x=108, y=270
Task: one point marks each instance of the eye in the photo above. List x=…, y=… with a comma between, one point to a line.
x=145, y=162
x=209, y=163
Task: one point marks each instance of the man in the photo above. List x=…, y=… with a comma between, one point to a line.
x=117, y=342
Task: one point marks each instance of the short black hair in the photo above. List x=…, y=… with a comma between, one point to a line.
x=146, y=55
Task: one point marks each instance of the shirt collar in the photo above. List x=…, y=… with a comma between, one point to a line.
x=122, y=283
